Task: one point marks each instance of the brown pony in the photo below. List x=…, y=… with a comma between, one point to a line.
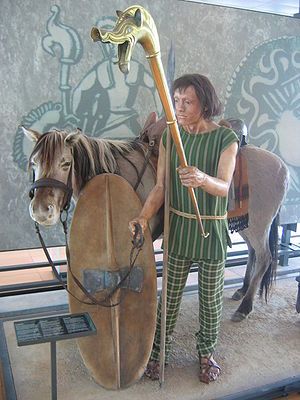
x=60, y=155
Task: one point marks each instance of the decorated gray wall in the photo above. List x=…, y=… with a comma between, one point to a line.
x=53, y=75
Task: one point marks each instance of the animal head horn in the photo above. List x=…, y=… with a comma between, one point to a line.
x=138, y=18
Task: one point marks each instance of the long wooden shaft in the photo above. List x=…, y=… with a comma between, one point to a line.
x=165, y=264
x=161, y=83
x=115, y=324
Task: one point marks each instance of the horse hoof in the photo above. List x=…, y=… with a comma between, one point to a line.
x=238, y=317
x=238, y=295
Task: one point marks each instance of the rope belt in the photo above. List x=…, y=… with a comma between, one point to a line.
x=193, y=216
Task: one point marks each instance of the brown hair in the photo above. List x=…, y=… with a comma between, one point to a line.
x=90, y=156
x=209, y=101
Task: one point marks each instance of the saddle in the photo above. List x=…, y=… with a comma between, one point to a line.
x=239, y=127
x=238, y=195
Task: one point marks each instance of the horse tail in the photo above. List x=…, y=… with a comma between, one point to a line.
x=270, y=275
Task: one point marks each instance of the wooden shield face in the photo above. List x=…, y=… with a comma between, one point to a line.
x=100, y=245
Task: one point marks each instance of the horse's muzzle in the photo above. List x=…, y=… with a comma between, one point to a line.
x=44, y=213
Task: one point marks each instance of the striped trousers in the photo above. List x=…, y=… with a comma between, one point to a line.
x=210, y=293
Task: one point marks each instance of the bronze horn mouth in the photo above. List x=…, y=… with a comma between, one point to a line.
x=124, y=57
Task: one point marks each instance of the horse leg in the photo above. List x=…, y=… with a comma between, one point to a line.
x=262, y=262
x=240, y=293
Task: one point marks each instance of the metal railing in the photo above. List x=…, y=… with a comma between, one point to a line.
x=234, y=258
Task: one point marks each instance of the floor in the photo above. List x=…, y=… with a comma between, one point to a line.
x=32, y=363
x=24, y=258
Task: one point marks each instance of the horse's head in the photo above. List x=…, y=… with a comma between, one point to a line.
x=51, y=162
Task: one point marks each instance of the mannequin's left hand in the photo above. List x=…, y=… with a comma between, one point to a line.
x=191, y=176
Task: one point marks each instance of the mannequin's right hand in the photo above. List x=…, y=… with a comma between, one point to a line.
x=138, y=221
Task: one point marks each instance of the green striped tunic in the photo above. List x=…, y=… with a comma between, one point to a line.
x=202, y=151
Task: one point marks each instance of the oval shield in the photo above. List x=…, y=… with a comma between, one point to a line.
x=100, y=246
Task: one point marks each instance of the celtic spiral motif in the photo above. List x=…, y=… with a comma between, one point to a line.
x=264, y=91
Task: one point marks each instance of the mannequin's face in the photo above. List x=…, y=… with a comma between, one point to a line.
x=187, y=106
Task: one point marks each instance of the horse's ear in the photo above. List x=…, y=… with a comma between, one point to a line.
x=31, y=134
x=73, y=137
x=151, y=119
x=224, y=122
x=153, y=130
x=162, y=122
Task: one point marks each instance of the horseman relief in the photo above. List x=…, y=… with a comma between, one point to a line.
x=102, y=104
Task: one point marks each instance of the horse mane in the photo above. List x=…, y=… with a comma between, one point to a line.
x=91, y=156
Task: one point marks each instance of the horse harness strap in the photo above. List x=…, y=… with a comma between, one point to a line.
x=137, y=244
x=119, y=285
x=147, y=159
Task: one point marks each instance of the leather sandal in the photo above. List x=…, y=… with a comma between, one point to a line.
x=152, y=370
x=209, y=370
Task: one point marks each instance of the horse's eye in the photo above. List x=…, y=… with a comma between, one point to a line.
x=66, y=164
x=32, y=164
x=31, y=175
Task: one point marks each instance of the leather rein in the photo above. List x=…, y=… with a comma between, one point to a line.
x=137, y=242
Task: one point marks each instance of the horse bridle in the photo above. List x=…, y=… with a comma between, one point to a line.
x=54, y=183
x=137, y=242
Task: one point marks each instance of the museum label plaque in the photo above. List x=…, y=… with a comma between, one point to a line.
x=59, y=327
